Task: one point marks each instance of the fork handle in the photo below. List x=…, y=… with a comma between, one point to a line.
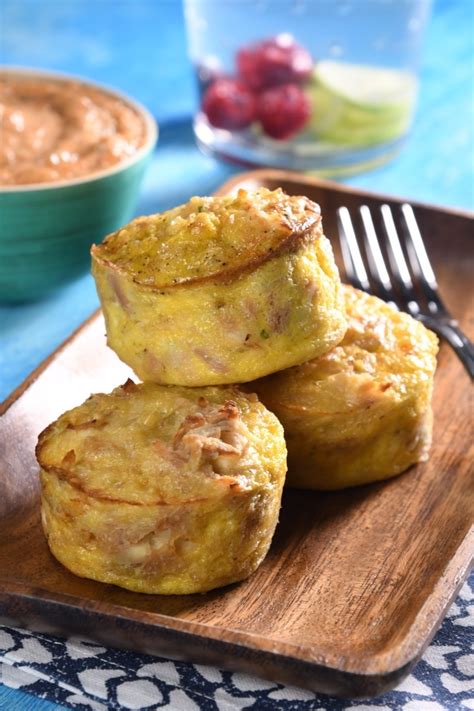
x=459, y=342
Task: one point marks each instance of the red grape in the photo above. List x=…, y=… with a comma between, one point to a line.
x=272, y=62
x=283, y=110
x=229, y=104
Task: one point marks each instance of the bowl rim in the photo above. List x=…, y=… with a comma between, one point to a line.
x=151, y=130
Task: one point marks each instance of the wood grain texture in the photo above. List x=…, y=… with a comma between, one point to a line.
x=355, y=583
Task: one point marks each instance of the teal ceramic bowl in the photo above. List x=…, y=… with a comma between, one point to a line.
x=46, y=229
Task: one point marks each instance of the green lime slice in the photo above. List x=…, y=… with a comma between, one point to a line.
x=360, y=105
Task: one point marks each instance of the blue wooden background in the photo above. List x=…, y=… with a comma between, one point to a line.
x=139, y=46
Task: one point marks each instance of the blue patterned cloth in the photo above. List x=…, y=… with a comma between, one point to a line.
x=87, y=677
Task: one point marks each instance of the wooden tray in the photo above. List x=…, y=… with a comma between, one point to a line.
x=355, y=583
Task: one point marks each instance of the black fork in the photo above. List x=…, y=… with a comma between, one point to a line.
x=392, y=280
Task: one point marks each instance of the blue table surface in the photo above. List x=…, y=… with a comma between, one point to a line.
x=139, y=46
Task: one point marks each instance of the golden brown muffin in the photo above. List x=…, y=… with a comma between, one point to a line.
x=221, y=289
x=162, y=490
x=361, y=412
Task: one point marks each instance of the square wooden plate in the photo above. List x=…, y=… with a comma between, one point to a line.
x=355, y=583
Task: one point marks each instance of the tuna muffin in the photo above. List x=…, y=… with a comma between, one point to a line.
x=361, y=412
x=162, y=490
x=221, y=289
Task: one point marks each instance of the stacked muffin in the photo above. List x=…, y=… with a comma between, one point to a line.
x=174, y=485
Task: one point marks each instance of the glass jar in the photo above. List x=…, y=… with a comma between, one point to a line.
x=326, y=86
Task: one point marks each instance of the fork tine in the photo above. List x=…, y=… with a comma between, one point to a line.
x=420, y=262
x=378, y=270
x=438, y=318
x=399, y=266
x=351, y=255
x=419, y=246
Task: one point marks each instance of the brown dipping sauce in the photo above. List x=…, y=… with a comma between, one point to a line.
x=53, y=130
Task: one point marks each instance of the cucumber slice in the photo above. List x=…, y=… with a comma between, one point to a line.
x=360, y=105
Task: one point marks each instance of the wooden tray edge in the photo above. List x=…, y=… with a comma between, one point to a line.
x=405, y=657
x=30, y=379
x=26, y=609
x=288, y=175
